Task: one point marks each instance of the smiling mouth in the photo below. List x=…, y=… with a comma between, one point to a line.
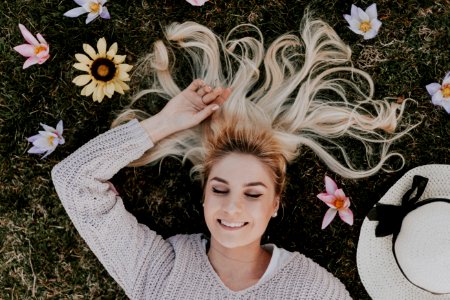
x=232, y=225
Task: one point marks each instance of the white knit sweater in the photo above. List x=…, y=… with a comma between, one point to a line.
x=144, y=264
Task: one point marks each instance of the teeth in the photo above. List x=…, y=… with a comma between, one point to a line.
x=232, y=224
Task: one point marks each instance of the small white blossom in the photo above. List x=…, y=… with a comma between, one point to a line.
x=197, y=2
x=440, y=94
x=364, y=23
x=93, y=8
x=48, y=140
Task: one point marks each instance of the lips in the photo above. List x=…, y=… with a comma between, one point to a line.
x=232, y=225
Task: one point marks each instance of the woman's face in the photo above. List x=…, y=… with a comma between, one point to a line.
x=239, y=200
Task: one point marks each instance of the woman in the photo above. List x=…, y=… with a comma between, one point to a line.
x=240, y=154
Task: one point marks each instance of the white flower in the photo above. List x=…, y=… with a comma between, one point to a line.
x=93, y=8
x=48, y=140
x=364, y=23
x=197, y=2
x=440, y=94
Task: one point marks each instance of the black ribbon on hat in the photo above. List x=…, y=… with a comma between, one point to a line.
x=390, y=217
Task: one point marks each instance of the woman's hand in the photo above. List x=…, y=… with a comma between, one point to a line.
x=193, y=105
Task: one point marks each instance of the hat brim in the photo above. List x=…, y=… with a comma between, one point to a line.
x=376, y=264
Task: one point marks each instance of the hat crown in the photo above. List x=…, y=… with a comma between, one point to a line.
x=422, y=247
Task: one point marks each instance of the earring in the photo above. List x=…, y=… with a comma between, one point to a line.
x=275, y=214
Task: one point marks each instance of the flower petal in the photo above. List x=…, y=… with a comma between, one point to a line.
x=354, y=11
x=327, y=199
x=90, y=51
x=446, y=106
x=356, y=30
x=30, y=61
x=118, y=59
x=83, y=59
x=330, y=185
x=112, y=51
x=75, y=12
x=41, y=39
x=376, y=24
x=101, y=46
x=105, y=13
x=59, y=127
x=109, y=89
x=371, y=11
x=33, y=138
x=81, y=80
x=370, y=34
x=26, y=50
x=197, y=2
x=362, y=15
x=89, y=89
x=36, y=150
x=91, y=16
x=437, y=98
x=329, y=216
x=81, y=2
x=432, y=88
x=339, y=193
x=48, y=128
x=346, y=215
x=48, y=153
x=118, y=87
x=28, y=36
x=446, y=79
x=81, y=67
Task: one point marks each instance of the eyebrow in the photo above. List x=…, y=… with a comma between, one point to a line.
x=247, y=184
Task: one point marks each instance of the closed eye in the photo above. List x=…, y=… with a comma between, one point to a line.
x=217, y=191
x=253, y=195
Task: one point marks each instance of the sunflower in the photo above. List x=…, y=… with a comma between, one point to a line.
x=106, y=71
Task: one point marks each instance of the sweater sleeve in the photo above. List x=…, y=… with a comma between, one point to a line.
x=133, y=255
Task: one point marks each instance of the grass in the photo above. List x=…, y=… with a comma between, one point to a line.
x=42, y=255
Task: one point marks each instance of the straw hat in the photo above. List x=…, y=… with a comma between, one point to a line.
x=410, y=258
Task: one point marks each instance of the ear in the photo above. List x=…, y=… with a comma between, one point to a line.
x=276, y=203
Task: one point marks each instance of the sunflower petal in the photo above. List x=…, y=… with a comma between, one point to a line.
x=90, y=51
x=125, y=67
x=112, y=51
x=117, y=87
x=81, y=80
x=83, y=59
x=101, y=46
x=109, y=89
x=118, y=59
x=81, y=67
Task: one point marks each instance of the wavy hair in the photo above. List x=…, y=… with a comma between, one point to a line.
x=303, y=90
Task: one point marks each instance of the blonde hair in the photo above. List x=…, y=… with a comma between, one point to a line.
x=301, y=91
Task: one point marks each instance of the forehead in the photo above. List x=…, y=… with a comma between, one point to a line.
x=242, y=168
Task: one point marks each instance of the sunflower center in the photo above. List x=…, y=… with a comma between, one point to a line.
x=339, y=203
x=365, y=26
x=38, y=49
x=103, y=69
x=94, y=7
x=446, y=90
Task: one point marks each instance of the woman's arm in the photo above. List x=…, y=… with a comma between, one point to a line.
x=132, y=253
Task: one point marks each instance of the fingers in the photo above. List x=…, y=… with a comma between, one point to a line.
x=205, y=113
x=211, y=96
x=195, y=85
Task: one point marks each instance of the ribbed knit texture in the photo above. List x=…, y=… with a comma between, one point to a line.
x=144, y=264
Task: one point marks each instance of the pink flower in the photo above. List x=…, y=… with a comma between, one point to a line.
x=197, y=2
x=440, y=94
x=46, y=141
x=337, y=202
x=37, y=50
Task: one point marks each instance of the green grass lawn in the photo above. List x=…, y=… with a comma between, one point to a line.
x=42, y=255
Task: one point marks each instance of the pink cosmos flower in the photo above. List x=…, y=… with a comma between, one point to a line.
x=440, y=94
x=337, y=202
x=197, y=2
x=37, y=50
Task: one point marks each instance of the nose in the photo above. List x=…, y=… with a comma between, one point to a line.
x=233, y=204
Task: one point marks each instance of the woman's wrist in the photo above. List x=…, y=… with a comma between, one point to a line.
x=157, y=128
